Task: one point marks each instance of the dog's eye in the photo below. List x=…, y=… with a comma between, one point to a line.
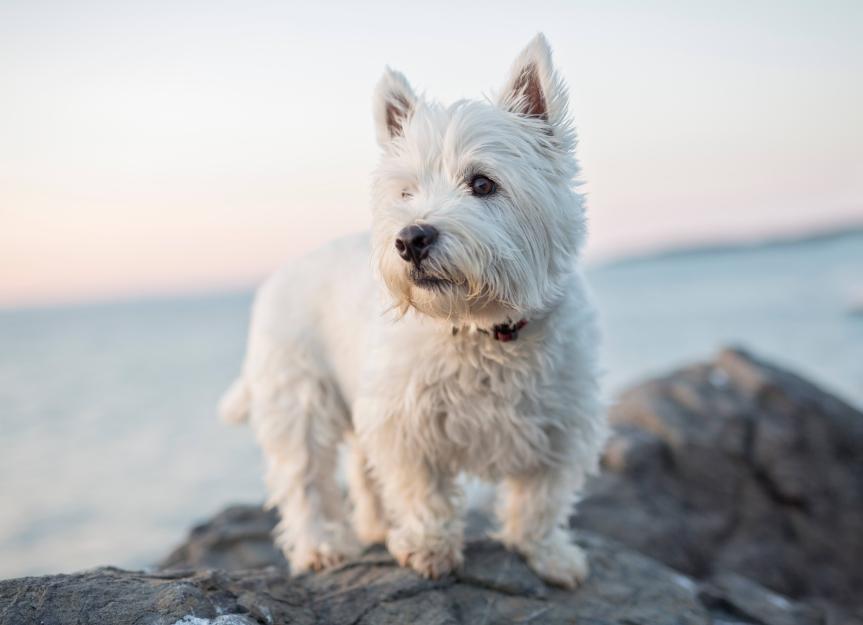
x=406, y=195
x=480, y=185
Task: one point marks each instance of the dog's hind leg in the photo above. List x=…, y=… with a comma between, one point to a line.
x=299, y=420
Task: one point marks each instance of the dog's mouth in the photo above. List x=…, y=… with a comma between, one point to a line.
x=425, y=280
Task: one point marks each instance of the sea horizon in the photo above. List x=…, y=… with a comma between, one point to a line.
x=730, y=243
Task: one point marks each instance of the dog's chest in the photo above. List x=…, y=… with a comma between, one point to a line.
x=482, y=406
x=483, y=373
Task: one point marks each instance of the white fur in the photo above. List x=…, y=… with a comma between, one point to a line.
x=345, y=346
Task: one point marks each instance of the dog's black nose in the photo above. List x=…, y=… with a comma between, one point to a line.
x=414, y=242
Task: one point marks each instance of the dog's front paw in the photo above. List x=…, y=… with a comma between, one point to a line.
x=559, y=563
x=431, y=555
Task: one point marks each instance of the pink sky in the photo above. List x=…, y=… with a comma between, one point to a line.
x=174, y=147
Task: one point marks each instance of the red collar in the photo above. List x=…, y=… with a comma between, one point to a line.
x=505, y=332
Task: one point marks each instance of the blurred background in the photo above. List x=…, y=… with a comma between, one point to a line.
x=158, y=159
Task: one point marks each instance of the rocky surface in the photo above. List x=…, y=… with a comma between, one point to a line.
x=494, y=586
x=239, y=537
x=736, y=466
x=744, y=478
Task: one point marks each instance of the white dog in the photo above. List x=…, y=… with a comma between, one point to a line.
x=478, y=356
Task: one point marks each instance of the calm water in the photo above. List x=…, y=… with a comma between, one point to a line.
x=109, y=445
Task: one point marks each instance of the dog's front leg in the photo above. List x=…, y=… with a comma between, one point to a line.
x=369, y=519
x=533, y=513
x=422, y=502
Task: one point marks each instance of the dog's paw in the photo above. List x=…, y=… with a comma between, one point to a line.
x=322, y=555
x=318, y=558
x=430, y=555
x=433, y=563
x=559, y=563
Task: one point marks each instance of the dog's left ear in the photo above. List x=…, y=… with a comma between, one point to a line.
x=394, y=103
x=533, y=88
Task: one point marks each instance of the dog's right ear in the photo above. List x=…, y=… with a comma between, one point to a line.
x=535, y=89
x=394, y=104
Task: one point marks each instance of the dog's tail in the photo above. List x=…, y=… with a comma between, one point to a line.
x=234, y=405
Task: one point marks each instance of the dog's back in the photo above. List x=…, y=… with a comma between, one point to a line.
x=305, y=315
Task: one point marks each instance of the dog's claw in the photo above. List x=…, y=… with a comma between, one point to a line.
x=564, y=565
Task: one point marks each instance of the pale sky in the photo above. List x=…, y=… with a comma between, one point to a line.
x=159, y=147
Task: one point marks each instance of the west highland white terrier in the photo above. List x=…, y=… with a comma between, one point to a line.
x=458, y=337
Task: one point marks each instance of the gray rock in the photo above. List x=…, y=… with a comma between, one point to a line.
x=735, y=597
x=621, y=580
x=495, y=586
x=239, y=537
x=737, y=466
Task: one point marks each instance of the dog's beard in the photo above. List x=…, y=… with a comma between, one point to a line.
x=429, y=279
x=434, y=290
x=439, y=289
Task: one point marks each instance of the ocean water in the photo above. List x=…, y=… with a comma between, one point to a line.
x=109, y=444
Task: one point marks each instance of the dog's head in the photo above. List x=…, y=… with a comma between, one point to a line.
x=475, y=213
